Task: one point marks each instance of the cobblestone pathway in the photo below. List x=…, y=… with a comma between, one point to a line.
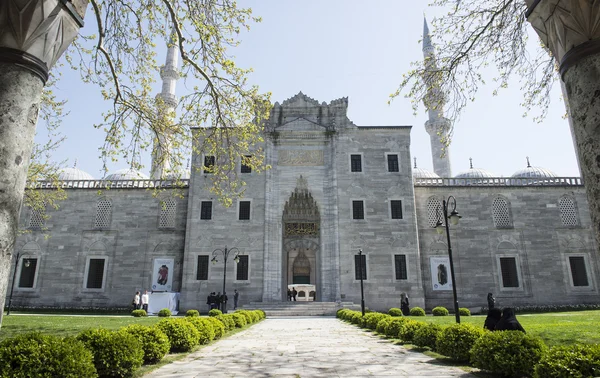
x=302, y=348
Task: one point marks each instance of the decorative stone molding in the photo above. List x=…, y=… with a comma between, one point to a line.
x=570, y=28
x=301, y=158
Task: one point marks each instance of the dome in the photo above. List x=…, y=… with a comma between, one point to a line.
x=126, y=174
x=424, y=174
x=474, y=173
x=534, y=172
x=184, y=174
x=73, y=174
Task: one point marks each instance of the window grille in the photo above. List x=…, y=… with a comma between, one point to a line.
x=242, y=268
x=206, y=210
x=202, y=268
x=400, y=267
x=434, y=211
x=103, y=213
x=244, y=210
x=396, y=207
x=568, y=211
x=393, y=165
x=246, y=168
x=355, y=163
x=209, y=163
x=36, y=221
x=28, y=268
x=360, y=264
x=95, y=274
x=578, y=271
x=501, y=213
x=508, y=266
x=168, y=209
x=358, y=210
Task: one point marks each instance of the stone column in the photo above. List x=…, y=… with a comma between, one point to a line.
x=33, y=35
x=569, y=28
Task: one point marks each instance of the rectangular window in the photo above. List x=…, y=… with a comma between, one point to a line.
x=396, y=207
x=246, y=168
x=209, y=163
x=242, y=268
x=95, y=275
x=202, y=268
x=508, y=266
x=358, y=210
x=400, y=267
x=578, y=271
x=360, y=265
x=355, y=163
x=27, y=277
x=244, y=210
x=206, y=210
x=393, y=165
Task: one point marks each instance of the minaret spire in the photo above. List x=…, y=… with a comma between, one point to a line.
x=437, y=126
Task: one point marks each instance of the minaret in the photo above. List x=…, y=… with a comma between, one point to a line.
x=169, y=75
x=437, y=126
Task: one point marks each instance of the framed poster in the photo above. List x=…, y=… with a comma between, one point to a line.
x=162, y=275
x=440, y=273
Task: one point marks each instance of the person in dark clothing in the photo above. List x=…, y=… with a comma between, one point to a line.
x=493, y=317
x=289, y=295
x=294, y=293
x=491, y=301
x=218, y=301
x=509, y=321
x=236, y=297
x=404, y=306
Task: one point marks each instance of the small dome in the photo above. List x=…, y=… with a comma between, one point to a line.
x=73, y=174
x=534, y=172
x=475, y=173
x=424, y=174
x=126, y=174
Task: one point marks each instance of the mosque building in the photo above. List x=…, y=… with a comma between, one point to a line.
x=334, y=189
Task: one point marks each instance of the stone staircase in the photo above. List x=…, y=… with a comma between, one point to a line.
x=274, y=309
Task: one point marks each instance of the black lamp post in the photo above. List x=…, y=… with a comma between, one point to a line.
x=225, y=252
x=12, y=288
x=362, y=291
x=439, y=227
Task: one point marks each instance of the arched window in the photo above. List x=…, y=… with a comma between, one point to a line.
x=103, y=213
x=568, y=211
x=37, y=218
x=434, y=211
x=168, y=208
x=501, y=213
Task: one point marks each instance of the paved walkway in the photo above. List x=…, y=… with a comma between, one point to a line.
x=305, y=347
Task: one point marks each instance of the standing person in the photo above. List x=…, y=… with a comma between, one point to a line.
x=404, y=304
x=294, y=293
x=224, y=303
x=218, y=301
x=209, y=301
x=509, y=321
x=136, y=301
x=491, y=301
x=145, y=300
x=236, y=296
x=289, y=295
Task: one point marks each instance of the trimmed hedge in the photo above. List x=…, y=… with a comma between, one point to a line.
x=456, y=341
x=408, y=329
x=192, y=313
x=138, y=313
x=510, y=353
x=218, y=327
x=394, y=312
x=164, y=313
x=570, y=361
x=393, y=328
x=227, y=321
x=382, y=325
x=371, y=319
x=205, y=329
x=37, y=355
x=417, y=311
x=239, y=319
x=215, y=312
x=154, y=342
x=182, y=335
x=427, y=336
x=463, y=311
x=440, y=311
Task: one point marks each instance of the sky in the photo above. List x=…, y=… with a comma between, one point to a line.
x=343, y=48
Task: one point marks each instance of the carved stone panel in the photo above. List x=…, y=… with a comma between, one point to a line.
x=301, y=158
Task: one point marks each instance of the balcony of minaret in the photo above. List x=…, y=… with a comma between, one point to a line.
x=169, y=72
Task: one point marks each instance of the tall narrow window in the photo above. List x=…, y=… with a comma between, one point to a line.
x=360, y=266
x=434, y=211
x=501, y=213
x=206, y=210
x=242, y=268
x=209, y=163
x=168, y=209
x=568, y=211
x=396, y=208
x=95, y=274
x=103, y=213
x=578, y=271
x=355, y=163
x=28, y=268
x=358, y=210
x=202, y=268
x=400, y=267
x=246, y=168
x=244, y=210
x=508, y=266
x=393, y=165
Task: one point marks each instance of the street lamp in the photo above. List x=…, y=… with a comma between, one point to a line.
x=225, y=252
x=362, y=291
x=12, y=288
x=439, y=227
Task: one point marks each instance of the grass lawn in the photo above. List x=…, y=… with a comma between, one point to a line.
x=557, y=328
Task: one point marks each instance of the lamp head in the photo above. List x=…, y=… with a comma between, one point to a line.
x=214, y=260
x=236, y=259
x=360, y=251
x=454, y=217
x=439, y=227
x=27, y=263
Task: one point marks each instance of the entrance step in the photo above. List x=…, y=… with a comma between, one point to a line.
x=300, y=308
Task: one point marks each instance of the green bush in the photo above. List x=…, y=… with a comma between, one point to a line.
x=263, y=315
x=227, y=320
x=154, y=342
x=575, y=361
x=138, y=313
x=116, y=354
x=204, y=327
x=382, y=325
x=510, y=353
x=394, y=312
x=427, y=336
x=38, y=355
x=357, y=318
x=239, y=319
x=417, y=311
x=215, y=312
x=372, y=318
x=393, y=328
x=340, y=313
x=164, y=313
x=440, y=311
x=218, y=327
x=182, y=335
x=408, y=329
x=247, y=314
x=456, y=341
x=192, y=313
x=463, y=311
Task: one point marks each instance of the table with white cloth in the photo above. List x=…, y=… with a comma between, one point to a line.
x=158, y=301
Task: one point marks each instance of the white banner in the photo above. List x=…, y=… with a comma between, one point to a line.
x=440, y=273
x=162, y=275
